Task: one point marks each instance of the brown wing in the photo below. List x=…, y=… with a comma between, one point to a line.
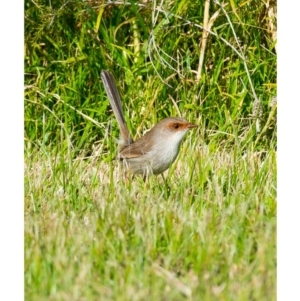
x=135, y=149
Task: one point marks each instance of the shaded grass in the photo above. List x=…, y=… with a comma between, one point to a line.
x=66, y=48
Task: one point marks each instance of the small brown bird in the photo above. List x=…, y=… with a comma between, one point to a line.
x=157, y=149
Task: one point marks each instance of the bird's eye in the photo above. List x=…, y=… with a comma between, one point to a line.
x=176, y=126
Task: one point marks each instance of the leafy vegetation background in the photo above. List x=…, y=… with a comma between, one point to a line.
x=210, y=233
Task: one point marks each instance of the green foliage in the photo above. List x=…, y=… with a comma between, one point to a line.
x=155, y=53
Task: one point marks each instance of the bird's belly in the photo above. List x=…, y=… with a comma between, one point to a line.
x=150, y=163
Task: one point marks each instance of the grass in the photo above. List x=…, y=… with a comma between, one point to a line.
x=210, y=236
x=206, y=233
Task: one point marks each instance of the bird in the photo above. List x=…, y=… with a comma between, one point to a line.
x=153, y=153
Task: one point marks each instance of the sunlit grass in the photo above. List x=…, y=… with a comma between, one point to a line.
x=212, y=230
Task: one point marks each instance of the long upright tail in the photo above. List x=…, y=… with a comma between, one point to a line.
x=115, y=102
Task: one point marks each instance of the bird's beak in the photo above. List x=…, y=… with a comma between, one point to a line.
x=190, y=126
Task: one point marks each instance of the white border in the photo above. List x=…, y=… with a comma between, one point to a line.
x=11, y=151
x=288, y=242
